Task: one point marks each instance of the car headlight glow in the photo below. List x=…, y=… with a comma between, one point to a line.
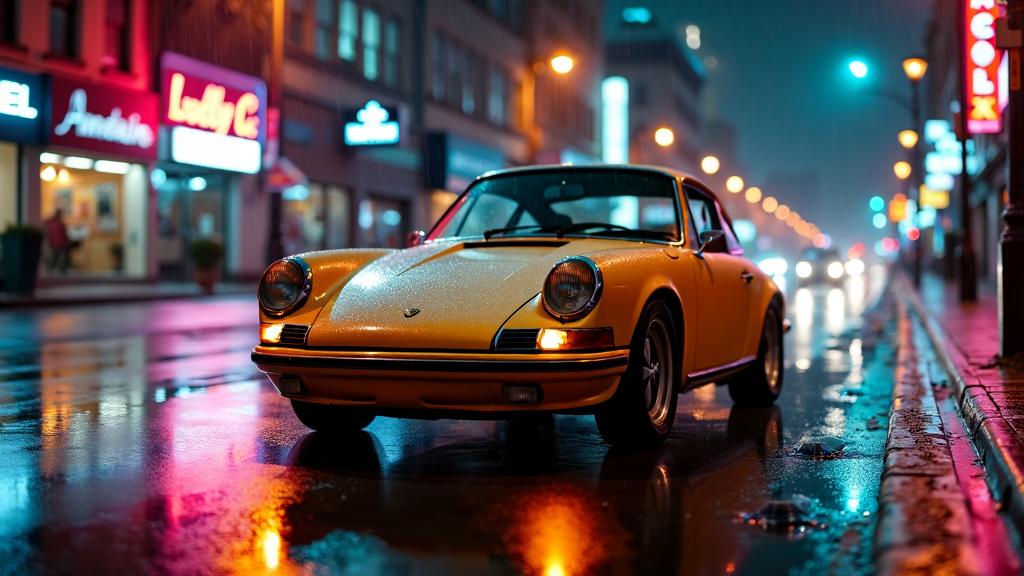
x=804, y=269
x=285, y=286
x=835, y=270
x=572, y=288
x=854, y=267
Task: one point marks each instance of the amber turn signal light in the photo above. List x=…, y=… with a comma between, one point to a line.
x=271, y=333
x=551, y=339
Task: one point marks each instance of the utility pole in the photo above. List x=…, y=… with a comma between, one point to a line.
x=1011, y=242
x=968, y=269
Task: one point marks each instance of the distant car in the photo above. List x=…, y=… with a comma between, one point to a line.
x=820, y=266
x=603, y=290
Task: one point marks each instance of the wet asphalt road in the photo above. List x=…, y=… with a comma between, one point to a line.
x=139, y=439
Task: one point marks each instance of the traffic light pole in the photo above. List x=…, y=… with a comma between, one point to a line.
x=968, y=269
x=1011, y=242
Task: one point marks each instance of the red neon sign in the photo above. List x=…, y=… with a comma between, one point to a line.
x=984, y=112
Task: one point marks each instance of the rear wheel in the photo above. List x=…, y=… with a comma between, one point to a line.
x=331, y=419
x=644, y=406
x=761, y=384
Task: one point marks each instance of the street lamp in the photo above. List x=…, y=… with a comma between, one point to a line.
x=734, y=184
x=915, y=68
x=770, y=204
x=858, y=68
x=908, y=139
x=753, y=194
x=664, y=136
x=902, y=169
x=562, y=64
x=710, y=165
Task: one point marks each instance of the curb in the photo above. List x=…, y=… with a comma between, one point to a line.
x=983, y=419
x=923, y=517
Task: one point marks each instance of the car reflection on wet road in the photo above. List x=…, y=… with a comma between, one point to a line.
x=139, y=438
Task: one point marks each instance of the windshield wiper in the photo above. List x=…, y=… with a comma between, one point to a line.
x=611, y=229
x=537, y=227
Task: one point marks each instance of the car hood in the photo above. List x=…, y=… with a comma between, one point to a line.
x=464, y=292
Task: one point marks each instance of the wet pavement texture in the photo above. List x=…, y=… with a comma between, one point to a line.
x=139, y=438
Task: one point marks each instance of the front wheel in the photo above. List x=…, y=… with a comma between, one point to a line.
x=331, y=419
x=761, y=384
x=643, y=408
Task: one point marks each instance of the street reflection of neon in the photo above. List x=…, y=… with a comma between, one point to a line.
x=560, y=532
x=271, y=548
x=853, y=499
x=804, y=308
x=856, y=289
x=705, y=395
x=835, y=310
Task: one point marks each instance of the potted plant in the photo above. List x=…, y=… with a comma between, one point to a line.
x=117, y=255
x=206, y=258
x=22, y=247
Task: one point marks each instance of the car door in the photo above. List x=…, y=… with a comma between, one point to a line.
x=723, y=287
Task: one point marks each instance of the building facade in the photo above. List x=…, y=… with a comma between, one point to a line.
x=276, y=127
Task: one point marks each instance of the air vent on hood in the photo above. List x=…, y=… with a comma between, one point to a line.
x=294, y=335
x=517, y=340
x=512, y=243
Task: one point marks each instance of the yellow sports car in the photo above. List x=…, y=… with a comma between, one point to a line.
x=604, y=290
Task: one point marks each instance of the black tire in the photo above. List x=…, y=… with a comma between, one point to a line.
x=331, y=419
x=643, y=408
x=761, y=384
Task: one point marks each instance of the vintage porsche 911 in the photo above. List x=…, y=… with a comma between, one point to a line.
x=604, y=290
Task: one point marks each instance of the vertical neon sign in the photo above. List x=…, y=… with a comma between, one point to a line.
x=984, y=112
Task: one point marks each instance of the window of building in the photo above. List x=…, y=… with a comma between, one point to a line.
x=348, y=30
x=392, y=50
x=439, y=69
x=371, y=44
x=497, y=97
x=324, y=28
x=470, y=75
x=454, y=86
x=64, y=28
x=9, y=21
x=118, y=35
x=295, y=21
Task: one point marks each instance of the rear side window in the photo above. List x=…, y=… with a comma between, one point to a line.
x=706, y=215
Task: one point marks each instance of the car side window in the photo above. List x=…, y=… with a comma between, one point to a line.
x=703, y=214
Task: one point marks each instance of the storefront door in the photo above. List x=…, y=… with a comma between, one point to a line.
x=190, y=207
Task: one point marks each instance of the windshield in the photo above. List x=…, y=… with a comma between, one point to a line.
x=611, y=203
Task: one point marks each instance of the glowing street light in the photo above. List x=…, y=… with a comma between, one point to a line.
x=664, y=136
x=782, y=212
x=753, y=194
x=858, y=68
x=915, y=68
x=734, y=184
x=902, y=169
x=770, y=204
x=562, y=64
x=710, y=165
x=908, y=139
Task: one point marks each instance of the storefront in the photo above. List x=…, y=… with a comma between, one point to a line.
x=94, y=194
x=212, y=137
x=452, y=163
x=22, y=105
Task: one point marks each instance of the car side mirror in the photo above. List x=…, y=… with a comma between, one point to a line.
x=415, y=238
x=711, y=241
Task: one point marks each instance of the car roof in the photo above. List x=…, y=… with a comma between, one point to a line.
x=672, y=172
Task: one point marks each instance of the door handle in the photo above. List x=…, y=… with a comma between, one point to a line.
x=747, y=277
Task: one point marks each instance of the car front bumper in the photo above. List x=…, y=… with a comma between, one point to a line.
x=443, y=382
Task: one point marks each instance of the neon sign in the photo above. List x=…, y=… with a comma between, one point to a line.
x=103, y=118
x=14, y=100
x=984, y=112
x=213, y=111
x=372, y=126
x=130, y=131
x=217, y=117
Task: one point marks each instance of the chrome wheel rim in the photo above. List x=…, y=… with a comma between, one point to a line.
x=772, y=344
x=656, y=372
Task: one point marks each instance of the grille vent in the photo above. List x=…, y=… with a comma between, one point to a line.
x=294, y=335
x=517, y=340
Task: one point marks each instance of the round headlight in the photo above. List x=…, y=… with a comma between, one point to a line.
x=572, y=288
x=284, y=286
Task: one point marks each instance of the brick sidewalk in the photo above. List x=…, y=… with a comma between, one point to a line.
x=990, y=396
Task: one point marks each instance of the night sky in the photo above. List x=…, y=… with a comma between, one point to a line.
x=782, y=80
